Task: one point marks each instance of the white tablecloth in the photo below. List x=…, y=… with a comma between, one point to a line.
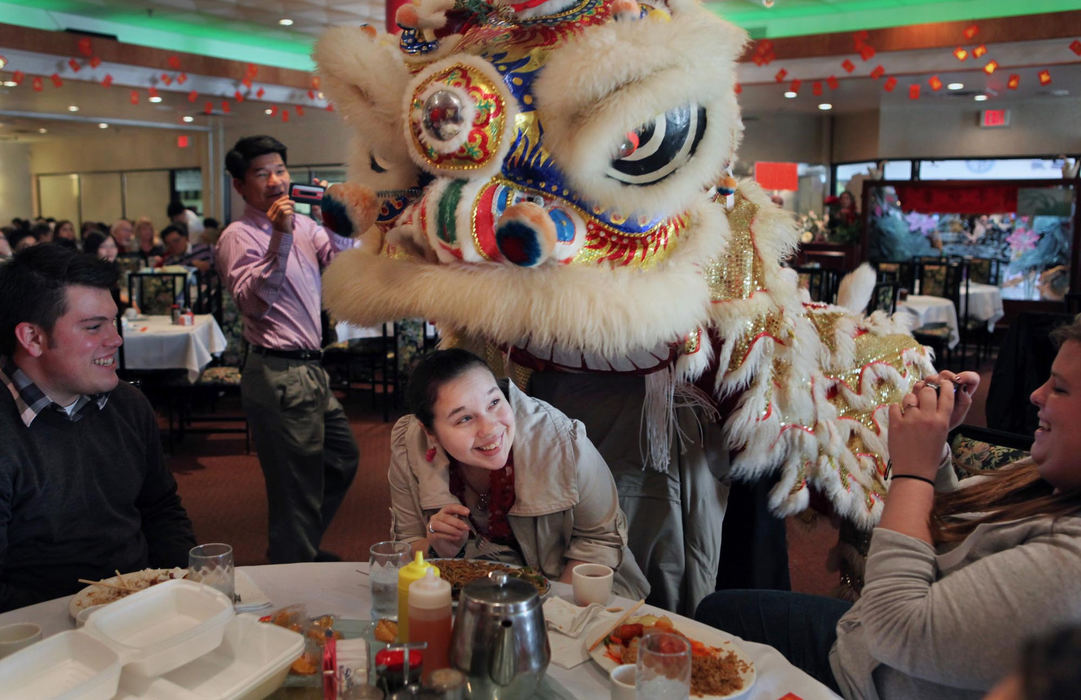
x=154, y=342
x=928, y=309
x=984, y=303
x=339, y=589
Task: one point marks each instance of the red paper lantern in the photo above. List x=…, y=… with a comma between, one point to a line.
x=1075, y=46
x=182, y=78
x=890, y=84
x=848, y=65
x=260, y=92
x=225, y=107
x=970, y=31
x=780, y=75
x=832, y=82
x=311, y=94
x=816, y=88
x=1044, y=76
x=182, y=141
x=285, y=115
x=192, y=96
x=300, y=110
x=794, y=86
x=913, y=92
x=133, y=97
x=208, y=108
x=95, y=61
x=38, y=84
x=935, y=83
x=737, y=88
x=107, y=80
x=174, y=62
x=878, y=72
x=991, y=67
x=979, y=51
x=1013, y=81
x=960, y=53
x=867, y=52
x=152, y=91
x=74, y=65
x=57, y=80
x=84, y=46
x=238, y=96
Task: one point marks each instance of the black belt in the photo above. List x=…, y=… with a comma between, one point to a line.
x=305, y=355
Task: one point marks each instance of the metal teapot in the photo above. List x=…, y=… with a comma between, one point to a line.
x=499, y=639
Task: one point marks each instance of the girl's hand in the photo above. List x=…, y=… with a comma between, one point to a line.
x=918, y=428
x=447, y=530
x=965, y=384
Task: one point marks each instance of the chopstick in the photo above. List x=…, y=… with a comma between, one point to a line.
x=108, y=585
x=619, y=621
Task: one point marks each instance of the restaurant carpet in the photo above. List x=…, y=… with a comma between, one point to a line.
x=223, y=491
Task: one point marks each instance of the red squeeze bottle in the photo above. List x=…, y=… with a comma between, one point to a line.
x=430, y=620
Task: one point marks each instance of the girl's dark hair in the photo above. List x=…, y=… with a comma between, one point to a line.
x=431, y=373
x=93, y=241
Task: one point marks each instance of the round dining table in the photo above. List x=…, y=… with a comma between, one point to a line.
x=342, y=589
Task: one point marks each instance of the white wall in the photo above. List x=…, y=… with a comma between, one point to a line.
x=795, y=138
x=16, y=191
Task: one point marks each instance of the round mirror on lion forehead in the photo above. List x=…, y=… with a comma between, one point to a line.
x=443, y=115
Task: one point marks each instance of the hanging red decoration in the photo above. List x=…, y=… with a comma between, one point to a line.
x=311, y=94
x=738, y=89
x=253, y=70
x=95, y=61
x=935, y=83
x=134, y=97
x=832, y=82
x=18, y=76
x=816, y=88
x=330, y=107
x=208, y=108
x=238, y=96
x=890, y=84
x=970, y=31
x=192, y=96
x=167, y=79
x=75, y=66
x=1075, y=46
x=246, y=82
x=794, y=86
x=848, y=65
x=867, y=52
x=780, y=75
x=260, y=92
x=960, y=53
x=1013, y=81
x=182, y=141
x=84, y=46
x=182, y=78
x=225, y=107
x=991, y=67
x=152, y=91
x=57, y=80
x=174, y=62
x=858, y=38
x=878, y=72
x=38, y=84
x=273, y=110
x=300, y=110
x=1044, y=76
x=285, y=115
x=107, y=80
x=979, y=51
x=316, y=82
x=913, y=92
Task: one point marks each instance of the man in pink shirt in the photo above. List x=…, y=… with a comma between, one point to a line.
x=271, y=260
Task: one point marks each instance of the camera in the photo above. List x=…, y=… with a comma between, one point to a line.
x=306, y=194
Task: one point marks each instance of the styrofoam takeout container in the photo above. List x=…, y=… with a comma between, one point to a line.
x=68, y=666
x=164, y=626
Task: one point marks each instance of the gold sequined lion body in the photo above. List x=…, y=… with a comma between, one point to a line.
x=546, y=173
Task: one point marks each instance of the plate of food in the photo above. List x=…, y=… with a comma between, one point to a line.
x=461, y=571
x=116, y=587
x=719, y=667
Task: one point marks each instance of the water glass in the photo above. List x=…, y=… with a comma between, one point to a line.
x=212, y=564
x=664, y=667
x=385, y=560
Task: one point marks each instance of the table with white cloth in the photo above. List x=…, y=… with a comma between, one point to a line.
x=156, y=343
x=984, y=302
x=342, y=589
x=928, y=309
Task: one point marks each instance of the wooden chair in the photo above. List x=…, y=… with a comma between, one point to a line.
x=940, y=278
x=156, y=293
x=370, y=364
x=884, y=297
x=820, y=282
x=903, y=272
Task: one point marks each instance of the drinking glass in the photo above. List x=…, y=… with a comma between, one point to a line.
x=212, y=564
x=664, y=667
x=386, y=558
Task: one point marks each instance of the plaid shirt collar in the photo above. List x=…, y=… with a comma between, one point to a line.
x=30, y=400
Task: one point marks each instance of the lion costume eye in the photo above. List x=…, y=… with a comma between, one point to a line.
x=658, y=148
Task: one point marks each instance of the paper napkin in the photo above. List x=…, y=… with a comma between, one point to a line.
x=571, y=628
x=251, y=597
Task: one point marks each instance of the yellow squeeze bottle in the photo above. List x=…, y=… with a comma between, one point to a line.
x=413, y=571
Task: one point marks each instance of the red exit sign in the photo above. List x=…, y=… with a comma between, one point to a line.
x=994, y=117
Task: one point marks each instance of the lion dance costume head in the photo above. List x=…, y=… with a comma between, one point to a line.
x=540, y=178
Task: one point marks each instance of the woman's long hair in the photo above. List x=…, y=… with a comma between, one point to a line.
x=1010, y=493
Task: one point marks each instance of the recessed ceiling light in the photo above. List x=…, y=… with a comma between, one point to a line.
x=980, y=98
x=268, y=111
x=10, y=83
x=825, y=106
x=188, y=118
x=103, y=125
x=43, y=130
x=955, y=86
x=791, y=95
x=285, y=22
x=73, y=108
x=155, y=98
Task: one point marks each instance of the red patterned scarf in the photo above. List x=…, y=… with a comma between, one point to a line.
x=500, y=499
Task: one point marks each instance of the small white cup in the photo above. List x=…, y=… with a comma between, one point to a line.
x=592, y=583
x=623, y=682
x=16, y=636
